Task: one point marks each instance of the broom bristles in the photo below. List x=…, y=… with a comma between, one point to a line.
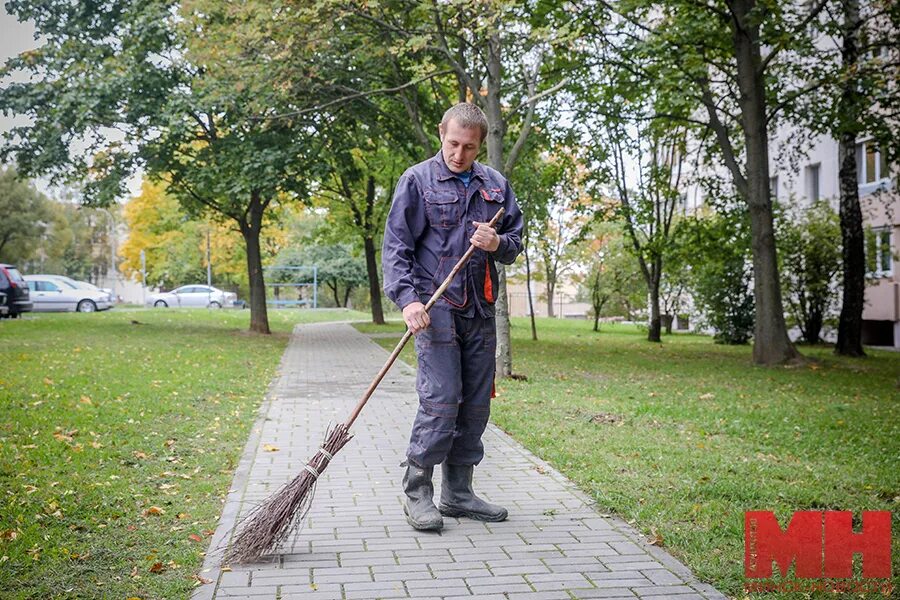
x=270, y=522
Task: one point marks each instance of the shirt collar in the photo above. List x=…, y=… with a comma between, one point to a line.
x=444, y=172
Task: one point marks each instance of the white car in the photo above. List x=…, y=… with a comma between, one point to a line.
x=192, y=296
x=74, y=283
x=49, y=294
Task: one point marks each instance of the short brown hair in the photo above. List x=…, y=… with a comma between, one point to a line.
x=467, y=115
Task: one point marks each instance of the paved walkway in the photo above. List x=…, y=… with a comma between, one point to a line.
x=356, y=543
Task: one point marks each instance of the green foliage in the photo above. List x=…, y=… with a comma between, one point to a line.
x=27, y=215
x=337, y=268
x=721, y=274
x=809, y=248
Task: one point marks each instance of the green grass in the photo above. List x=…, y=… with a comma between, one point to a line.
x=682, y=438
x=118, y=443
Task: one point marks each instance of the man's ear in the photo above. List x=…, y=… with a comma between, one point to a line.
x=441, y=131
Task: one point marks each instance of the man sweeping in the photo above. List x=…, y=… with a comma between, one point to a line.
x=440, y=207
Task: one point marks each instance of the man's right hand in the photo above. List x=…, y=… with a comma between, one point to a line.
x=415, y=317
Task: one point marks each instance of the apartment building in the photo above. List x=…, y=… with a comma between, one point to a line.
x=817, y=178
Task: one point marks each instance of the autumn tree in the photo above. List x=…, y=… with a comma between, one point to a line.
x=730, y=72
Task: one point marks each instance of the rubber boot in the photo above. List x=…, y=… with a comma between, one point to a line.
x=419, y=505
x=458, y=499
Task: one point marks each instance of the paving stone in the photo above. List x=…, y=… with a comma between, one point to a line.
x=355, y=542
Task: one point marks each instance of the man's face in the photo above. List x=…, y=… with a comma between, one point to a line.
x=459, y=145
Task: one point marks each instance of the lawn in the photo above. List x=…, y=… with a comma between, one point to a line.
x=119, y=435
x=681, y=438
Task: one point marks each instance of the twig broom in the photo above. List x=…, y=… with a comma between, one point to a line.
x=269, y=523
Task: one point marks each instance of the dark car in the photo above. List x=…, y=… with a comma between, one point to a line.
x=18, y=297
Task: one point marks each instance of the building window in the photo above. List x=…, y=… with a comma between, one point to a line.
x=812, y=183
x=773, y=187
x=879, y=254
x=871, y=163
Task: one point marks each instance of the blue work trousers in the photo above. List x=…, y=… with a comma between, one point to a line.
x=455, y=382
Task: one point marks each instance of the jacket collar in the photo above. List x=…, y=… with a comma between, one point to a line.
x=444, y=172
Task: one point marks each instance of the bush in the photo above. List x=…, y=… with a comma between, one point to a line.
x=721, y=274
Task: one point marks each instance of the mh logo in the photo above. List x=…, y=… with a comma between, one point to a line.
x=821, y=543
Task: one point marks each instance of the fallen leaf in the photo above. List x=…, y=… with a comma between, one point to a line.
x=195, y=537
x=157, y=567
x=707, y=396
x=270, y=448
x=86, y=400
x=154, y=510
x=203, y=580
x=139, y=455
x=182, y=516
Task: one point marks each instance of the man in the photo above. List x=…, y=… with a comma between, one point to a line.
x=440, y=206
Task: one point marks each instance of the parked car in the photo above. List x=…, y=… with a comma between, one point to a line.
x=76, y=284
x=191, y=296
x=4, y=309
x=18, y=296
x=52, y=295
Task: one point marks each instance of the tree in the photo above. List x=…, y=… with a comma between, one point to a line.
x=612, y=282
x=26, y=217
x=337, y=268
x=724, y=70
x=206, y=129
x=811, y=260
x=861, y=97
x=174, y=243
x=563, y=224
x=721, y=273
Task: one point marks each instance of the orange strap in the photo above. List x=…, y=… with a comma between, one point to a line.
x=488, y=285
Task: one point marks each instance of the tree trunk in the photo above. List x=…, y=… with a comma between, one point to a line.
x=374, y=285
x=667, y=322
x=347, y=295
x=534, y=336
x=849, y=340
x=655, y=321
x=549, y=288
x=771, y=345
x=333, y=286
x=250, y=228
x=813, y=326
x=493, y=111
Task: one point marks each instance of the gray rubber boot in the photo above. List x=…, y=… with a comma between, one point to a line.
x=419, y=505
x=458, y=499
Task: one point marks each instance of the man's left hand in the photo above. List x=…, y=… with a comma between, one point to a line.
x=485, y=237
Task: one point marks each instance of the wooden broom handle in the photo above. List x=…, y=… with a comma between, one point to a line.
x=434, y=298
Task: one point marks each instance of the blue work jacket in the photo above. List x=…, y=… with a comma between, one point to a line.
x=428, y=230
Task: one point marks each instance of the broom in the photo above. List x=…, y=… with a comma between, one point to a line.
x=270, y=522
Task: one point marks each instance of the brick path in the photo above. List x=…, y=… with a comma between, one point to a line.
x=356, y=543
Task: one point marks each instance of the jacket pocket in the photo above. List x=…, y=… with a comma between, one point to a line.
x=442, y=209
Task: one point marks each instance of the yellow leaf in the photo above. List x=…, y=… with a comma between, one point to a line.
x=154, y=510
x=86, y=400
x=270, y=448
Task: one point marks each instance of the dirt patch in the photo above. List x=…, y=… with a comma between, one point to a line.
x=604, y=418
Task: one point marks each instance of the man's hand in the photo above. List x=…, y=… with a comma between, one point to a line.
x=415, y=316
x=485, y=237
